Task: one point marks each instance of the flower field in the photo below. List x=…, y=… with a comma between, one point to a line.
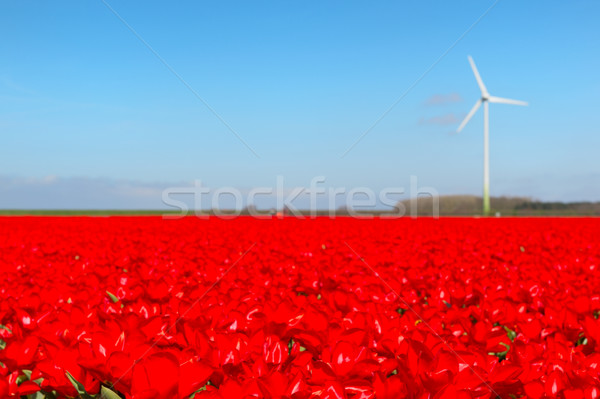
x=145, y=307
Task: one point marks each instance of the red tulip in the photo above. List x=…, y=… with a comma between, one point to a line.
x=156, y=374
x=455, y=306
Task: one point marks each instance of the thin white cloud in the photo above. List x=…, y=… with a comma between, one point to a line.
x=443, y=99
x=441, y=120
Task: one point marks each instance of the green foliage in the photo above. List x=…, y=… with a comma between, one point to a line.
x=511, y=334
x=107, y=393
x=112, y=296
x=501, y=355
x=78, y=387
x=201, y=389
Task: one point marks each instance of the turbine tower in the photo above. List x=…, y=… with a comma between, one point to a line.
x=485, y=99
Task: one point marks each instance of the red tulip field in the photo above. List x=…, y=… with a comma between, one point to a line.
x=146, y=307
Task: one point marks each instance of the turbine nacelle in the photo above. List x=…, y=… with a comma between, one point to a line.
x=485, y=97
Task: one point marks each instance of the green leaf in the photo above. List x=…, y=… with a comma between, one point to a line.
x=201, y=389
x=41, y=395
x=112, y=296
x=39, y=381
x=50, y=395
x=511, y=334
x=107, y=393
x=5, y=328
x=78, y=387
x=501, y=355
x=582, y=340
x=21, y=379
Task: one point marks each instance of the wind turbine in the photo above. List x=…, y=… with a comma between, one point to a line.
x=485, y=99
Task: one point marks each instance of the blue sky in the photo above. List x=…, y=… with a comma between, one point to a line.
x=84, y=105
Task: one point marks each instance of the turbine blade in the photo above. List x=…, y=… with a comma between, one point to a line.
x=500, y=100
x=469, y=116
x=477, y=77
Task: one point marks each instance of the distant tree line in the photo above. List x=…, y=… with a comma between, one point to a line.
x=471, y=205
